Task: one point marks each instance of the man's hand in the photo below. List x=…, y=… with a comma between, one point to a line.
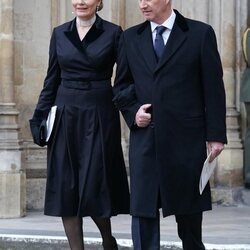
x=142, y=118
x=215, y=148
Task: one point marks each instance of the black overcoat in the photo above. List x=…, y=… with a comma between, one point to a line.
x=86, y=171
x=186, y=91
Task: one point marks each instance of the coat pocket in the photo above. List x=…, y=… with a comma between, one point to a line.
x=194, y=121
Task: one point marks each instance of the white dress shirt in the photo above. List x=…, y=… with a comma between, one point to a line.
x=169, y=23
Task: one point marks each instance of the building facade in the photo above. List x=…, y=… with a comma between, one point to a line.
x=25, y=30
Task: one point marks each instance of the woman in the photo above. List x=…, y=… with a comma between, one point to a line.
x=86, y=173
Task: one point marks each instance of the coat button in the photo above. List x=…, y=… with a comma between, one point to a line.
x=152, y=125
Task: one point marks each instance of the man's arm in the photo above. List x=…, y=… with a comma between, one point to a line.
x=124, y=89
x=213, y=89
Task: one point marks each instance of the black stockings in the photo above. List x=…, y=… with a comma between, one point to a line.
x=74, y=232
x=104, y=227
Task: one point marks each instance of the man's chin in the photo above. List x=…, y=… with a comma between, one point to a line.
x=148, y=17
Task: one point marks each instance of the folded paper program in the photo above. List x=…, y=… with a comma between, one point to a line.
x=207, y=170
x=50, y=121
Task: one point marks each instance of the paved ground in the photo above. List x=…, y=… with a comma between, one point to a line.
x=225, y=228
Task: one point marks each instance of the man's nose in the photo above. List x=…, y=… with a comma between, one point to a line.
x=143, y=4
x=80, y=1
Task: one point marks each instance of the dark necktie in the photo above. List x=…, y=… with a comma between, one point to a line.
x=159, y=42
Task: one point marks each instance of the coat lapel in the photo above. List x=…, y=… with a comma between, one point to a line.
x=72, y=35
x=95, y=31
x=175, y=41
x=145, y=45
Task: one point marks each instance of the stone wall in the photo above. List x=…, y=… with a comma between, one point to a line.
x=25, y=29
x=12, y=175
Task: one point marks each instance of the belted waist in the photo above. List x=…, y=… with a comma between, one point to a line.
x=85, y=85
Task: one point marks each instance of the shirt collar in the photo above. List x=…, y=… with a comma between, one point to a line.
x=169, y=23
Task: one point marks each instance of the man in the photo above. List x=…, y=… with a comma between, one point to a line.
x=245, y=97
x=170, y=91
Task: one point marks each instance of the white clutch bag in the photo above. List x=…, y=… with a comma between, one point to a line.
x=50, y=122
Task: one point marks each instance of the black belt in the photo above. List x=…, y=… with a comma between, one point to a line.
x=85, y=85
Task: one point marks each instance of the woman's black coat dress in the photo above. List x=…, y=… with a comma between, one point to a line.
x=86, y=174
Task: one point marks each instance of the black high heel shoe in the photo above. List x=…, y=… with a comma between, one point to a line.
x=112, y=246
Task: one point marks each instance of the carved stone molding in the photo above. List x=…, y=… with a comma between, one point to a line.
x=12, y=177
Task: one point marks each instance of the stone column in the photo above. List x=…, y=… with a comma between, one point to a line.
x=32, y=31
x=118, y=12
x=229, y=20
x=12, y=177
x=133, y=15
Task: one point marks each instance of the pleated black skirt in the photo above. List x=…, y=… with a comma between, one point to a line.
x=86, y=174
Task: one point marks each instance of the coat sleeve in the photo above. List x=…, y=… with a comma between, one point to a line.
x=213, y=89
x=124, y=89
x=51, y=83
x=47, y=96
